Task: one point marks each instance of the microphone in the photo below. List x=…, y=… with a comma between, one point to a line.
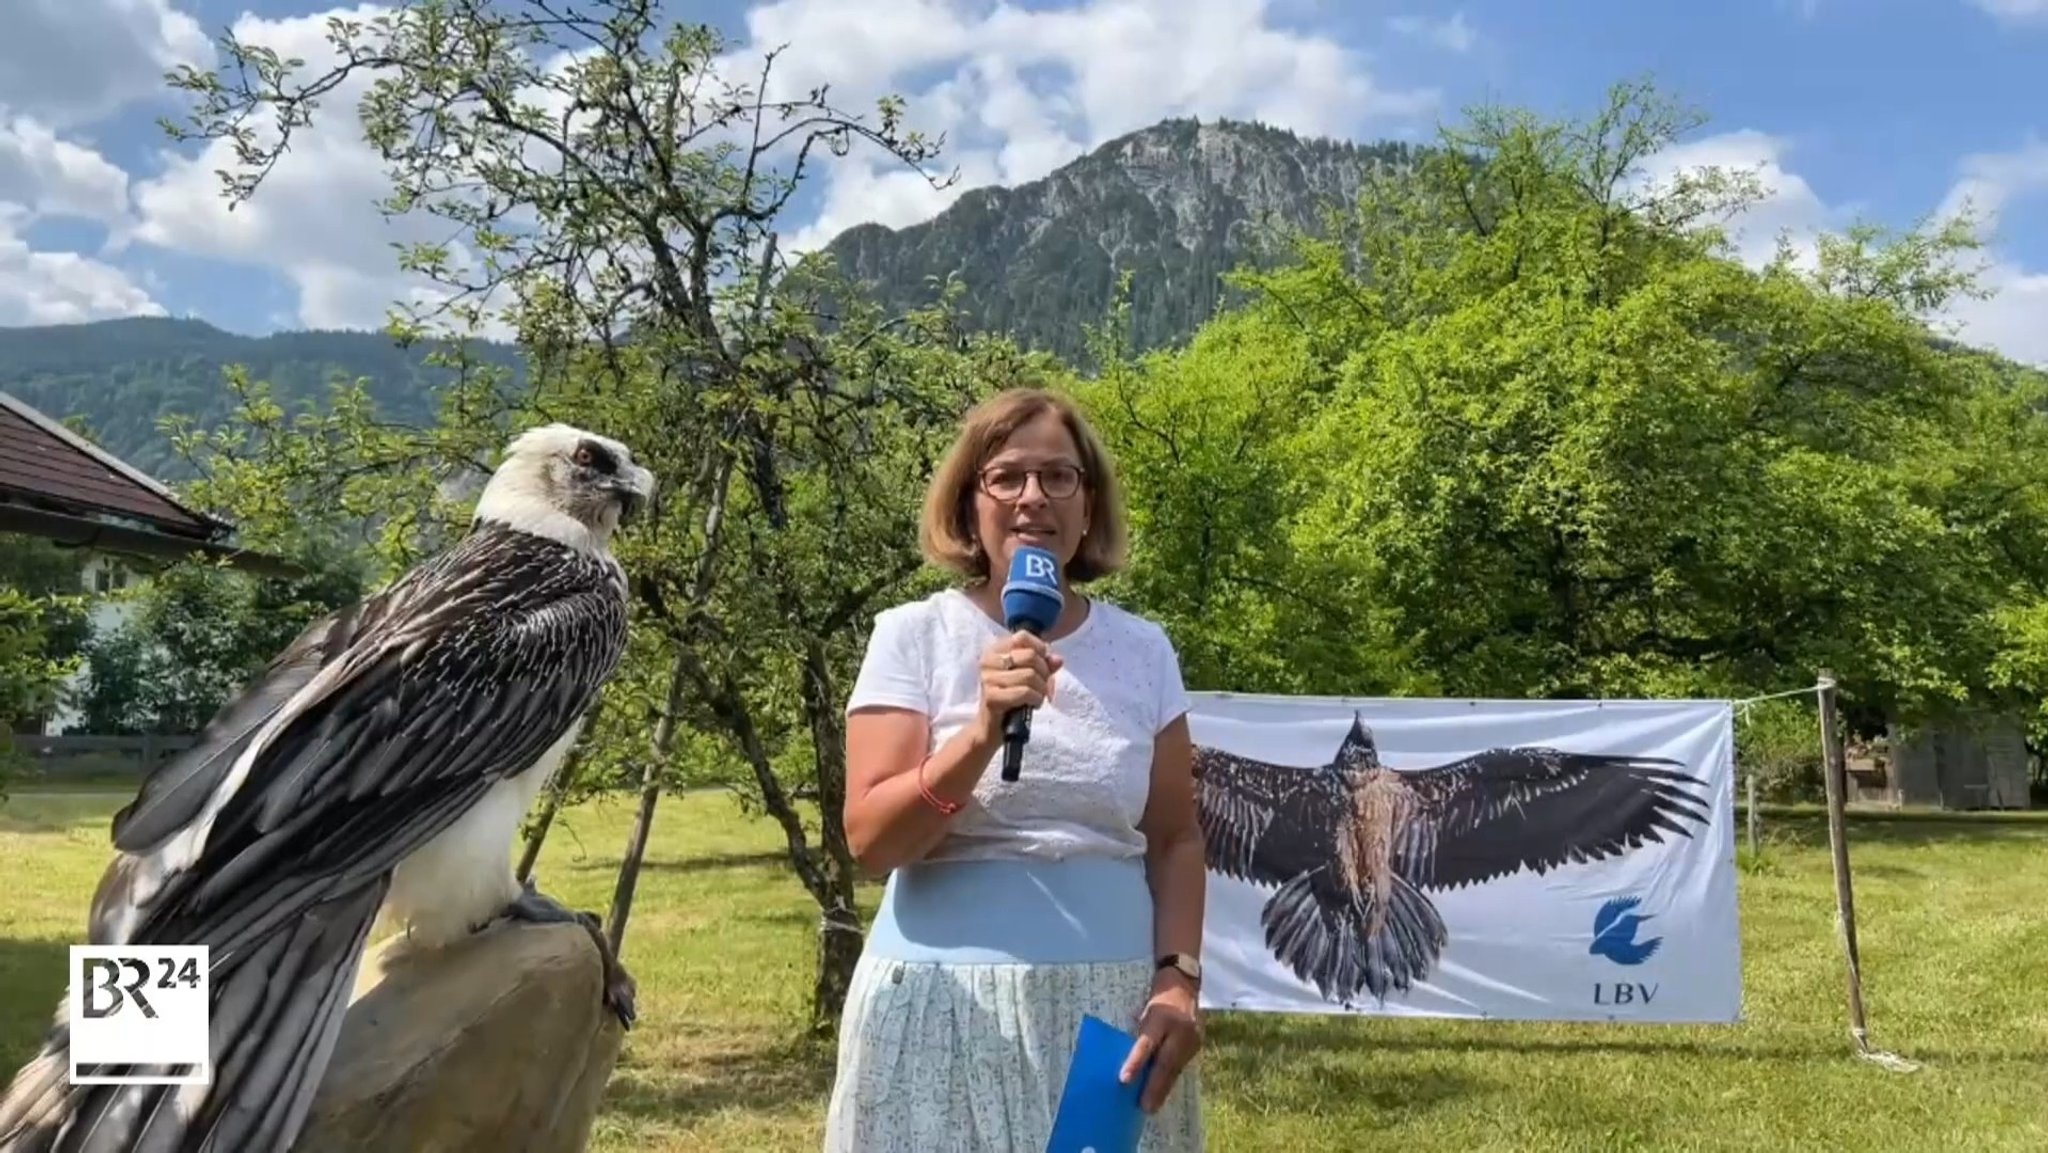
x=1031, y=602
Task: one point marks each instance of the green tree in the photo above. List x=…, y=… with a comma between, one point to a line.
x=31, y=680
x=47, y=622
x=617, y=198
x=43, y=629
x=197, y=631
x=1526, y=428
x=1208, y=443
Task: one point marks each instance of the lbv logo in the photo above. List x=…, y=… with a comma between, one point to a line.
x=1615, y=929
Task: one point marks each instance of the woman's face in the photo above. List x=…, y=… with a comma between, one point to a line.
x=1031, y=492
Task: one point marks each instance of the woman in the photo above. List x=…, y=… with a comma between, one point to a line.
x=1013, y=909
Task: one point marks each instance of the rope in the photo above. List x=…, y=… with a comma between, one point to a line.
x=1742, y=706
x=839, y=920
x=1812, y=688
x=1878, y=1057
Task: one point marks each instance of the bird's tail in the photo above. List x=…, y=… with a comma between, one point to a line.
x=1325, y=932
x=277, y=1012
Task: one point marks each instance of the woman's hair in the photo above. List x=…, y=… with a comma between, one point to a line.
x=946, y=531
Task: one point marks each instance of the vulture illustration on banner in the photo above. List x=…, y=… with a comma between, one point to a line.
x=1352, y=846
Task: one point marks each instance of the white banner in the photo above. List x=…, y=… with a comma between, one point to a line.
x=1523, y=860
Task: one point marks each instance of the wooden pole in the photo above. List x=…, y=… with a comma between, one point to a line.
x=1835, y=772
x=1749, y=794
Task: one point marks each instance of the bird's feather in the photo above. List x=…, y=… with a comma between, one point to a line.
x=172, y=795
x=1265, y=823
x=1324, y=931
x=272, y=839
x=1508, y=809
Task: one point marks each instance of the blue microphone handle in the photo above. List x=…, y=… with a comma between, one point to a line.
x=1031, y=602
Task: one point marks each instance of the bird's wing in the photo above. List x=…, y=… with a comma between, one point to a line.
x=1265, y=823
x=471, y=668
x=1508, y=809
x=173, y=795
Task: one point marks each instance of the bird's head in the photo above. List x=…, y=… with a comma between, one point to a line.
x=1359, y=753
x=563, y=482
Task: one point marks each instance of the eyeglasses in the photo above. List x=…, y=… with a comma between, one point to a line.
x=1056, y=481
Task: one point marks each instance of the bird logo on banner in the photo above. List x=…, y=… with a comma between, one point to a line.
x=1352, y=846
x=1614, y=933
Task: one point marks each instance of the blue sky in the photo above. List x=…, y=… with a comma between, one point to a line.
x=1886, y=110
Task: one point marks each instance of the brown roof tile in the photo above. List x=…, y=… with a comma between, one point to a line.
x=48, y=465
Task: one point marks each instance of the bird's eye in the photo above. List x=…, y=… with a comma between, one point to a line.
x=582, y=456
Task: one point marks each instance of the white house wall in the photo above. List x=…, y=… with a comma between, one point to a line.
x=107, y=611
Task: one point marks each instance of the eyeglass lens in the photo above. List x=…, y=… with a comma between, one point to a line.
x=1058, y=481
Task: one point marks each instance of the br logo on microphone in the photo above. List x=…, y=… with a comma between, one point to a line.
x=1039, y=566
x=141, y=1005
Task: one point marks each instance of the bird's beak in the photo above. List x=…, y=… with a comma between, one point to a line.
x=637, y=492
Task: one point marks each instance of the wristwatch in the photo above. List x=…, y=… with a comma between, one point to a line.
x=1189, y=966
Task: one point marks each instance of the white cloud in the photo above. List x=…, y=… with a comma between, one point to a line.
x=2014, y=11
x=65, y=64
x=71, y=62
x=1018, y=93
x=2007, y=320
x=43, y=177
x=315, y=219
x=1453, y=35
x=2010, y=320
x=1787, y=208
x=46, y=176
x=1990, y=180
x=61, y=287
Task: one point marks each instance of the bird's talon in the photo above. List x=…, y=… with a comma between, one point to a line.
x=621, y=995
x=536, y=907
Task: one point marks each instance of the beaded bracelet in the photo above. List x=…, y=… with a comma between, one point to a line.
x=945, y=807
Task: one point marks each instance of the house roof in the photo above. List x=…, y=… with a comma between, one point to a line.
x=42, y=463
x=58, y=485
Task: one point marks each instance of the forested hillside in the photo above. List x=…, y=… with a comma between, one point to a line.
x=122, y=376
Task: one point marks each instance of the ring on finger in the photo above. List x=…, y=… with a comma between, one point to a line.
x=1009, y=662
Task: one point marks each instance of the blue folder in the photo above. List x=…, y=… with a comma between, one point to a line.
x=1099, y=1114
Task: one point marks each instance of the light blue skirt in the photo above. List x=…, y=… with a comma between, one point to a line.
x=961, y=1021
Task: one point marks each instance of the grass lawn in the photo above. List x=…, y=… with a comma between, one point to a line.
x=1953, y=918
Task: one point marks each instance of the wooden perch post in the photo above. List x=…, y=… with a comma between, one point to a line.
x=1835, y=772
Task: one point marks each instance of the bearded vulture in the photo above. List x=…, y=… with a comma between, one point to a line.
x=1350, y=846
x=382, y=763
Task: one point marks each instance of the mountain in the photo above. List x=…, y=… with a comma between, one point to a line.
x=121, y=376
x=1176, y=205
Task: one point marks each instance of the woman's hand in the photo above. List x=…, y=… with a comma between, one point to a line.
x=1169, y=1034
x=1016, y=672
